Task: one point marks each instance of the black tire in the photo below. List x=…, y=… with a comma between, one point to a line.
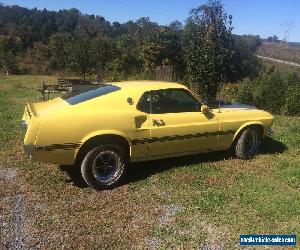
x=248, y=143
x=100, y=175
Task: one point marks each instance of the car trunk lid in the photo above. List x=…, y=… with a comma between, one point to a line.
x=37, y=109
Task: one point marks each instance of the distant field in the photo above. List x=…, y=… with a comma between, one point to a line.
x=286, y=52
x=282, y=67
x=203, y=201
x=290, y=53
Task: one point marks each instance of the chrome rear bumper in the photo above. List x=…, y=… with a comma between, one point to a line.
x=24, y=124
x=29, y=150
x=270, y=132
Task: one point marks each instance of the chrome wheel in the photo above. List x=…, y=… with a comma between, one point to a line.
x=251, y=142
x=247, y=143
x=106, y=166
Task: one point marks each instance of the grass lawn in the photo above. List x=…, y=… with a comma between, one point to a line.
x=203, y=201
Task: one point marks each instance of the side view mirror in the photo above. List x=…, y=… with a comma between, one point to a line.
x=204, y=109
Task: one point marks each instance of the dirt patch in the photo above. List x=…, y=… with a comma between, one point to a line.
x=215, y=236
x=169, y=212
x=13, y=213
x=165, y=220
x=8, y=174
x=16, y=231
x=153, y=243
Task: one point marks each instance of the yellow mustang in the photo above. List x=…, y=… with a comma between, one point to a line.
x=107, y=127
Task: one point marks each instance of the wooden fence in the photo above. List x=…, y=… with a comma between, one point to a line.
x=165, y=73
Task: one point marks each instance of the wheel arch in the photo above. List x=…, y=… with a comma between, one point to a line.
x=257, y=124
x=102, y=138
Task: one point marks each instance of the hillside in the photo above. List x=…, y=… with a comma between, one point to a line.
x=279, y=50
x=69, y=42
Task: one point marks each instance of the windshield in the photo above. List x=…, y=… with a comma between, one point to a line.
x=88, y=95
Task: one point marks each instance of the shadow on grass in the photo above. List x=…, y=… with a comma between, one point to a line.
x=74, y=173
x=142, y=170
x=271, y=146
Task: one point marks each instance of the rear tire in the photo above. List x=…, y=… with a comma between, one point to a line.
x=104, y=167
x=248, y=143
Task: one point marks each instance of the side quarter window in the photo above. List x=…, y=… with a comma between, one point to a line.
x=144, y=103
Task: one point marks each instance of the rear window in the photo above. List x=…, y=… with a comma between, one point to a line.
x=88, y=95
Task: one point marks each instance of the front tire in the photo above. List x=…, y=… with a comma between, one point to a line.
x=248, y=143
x=104, y=167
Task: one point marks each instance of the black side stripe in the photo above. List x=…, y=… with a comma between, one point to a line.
x=28, y=112
x=180, y=137
x=52, y=147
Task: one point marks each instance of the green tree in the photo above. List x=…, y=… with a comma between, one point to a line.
x=162, y=48
x=9, y=46
x=145, y=28
x=102, y=49
x=208, y=47
x=79, y=52
x=57, y=47
x=273, y=38
x=36, y=60
x=127, y=60
x=243, y=62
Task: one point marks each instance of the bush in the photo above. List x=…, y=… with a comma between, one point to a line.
x=238, y=92
x=292, y=101
x=245, y=91
x=228, y=92
x=270, y=92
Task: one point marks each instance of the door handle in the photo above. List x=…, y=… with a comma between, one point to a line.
x=158, y=123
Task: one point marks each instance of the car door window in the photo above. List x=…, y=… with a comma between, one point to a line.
x=173, y=101
x=167, y=101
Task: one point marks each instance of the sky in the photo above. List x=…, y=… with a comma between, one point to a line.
x=256, y=17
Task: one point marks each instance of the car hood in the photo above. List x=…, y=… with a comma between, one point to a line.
x=237, y=105
x=215, y=104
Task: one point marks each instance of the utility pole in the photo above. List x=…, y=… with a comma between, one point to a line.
x=287, y=26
